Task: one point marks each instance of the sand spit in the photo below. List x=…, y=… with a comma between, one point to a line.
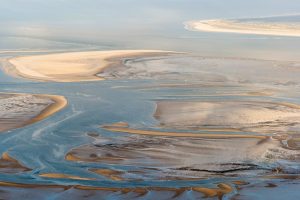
x=74, y=66
x=235, y=26
x=60, y=102
x=18, y=110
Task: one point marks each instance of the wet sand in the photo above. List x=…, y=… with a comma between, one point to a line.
x=235, y=26
x=18, y=110
x=174, y=158
x=109, y=173
x=11, y=165
x=179, y=134
x=72, y=67
x=60, y=102
x=79, y=192
x=254, y=116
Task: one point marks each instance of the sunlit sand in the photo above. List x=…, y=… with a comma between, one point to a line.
x=240, y=115
x=72, y=67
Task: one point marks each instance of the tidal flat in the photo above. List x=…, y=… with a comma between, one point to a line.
x=135, y=99
x=148, y=132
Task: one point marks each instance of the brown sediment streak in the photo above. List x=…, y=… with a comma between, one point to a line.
x=11, y=165
x=109, y=173
x=287, y=104
x=72, y=66
x=218, y=192
x=64, y=176
x=282, y=176
x=21, y=185
x=215, y=192
x=179, y=134
x=195, y=128
x=71, y=157
x=240, y=182
x=60, y=102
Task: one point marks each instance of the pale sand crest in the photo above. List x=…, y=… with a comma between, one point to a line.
x=60, y=102
x=234, y=26
x=71, y=67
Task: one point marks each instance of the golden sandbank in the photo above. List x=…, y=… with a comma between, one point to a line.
x=74, y=66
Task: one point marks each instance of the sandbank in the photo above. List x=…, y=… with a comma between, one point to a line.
x=235, y=26
x=31, y=108
x=72, y=66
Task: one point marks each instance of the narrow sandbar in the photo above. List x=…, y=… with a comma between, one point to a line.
x=180, y=134
x=72, y=67
x=109, y=173
x=64, y=176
